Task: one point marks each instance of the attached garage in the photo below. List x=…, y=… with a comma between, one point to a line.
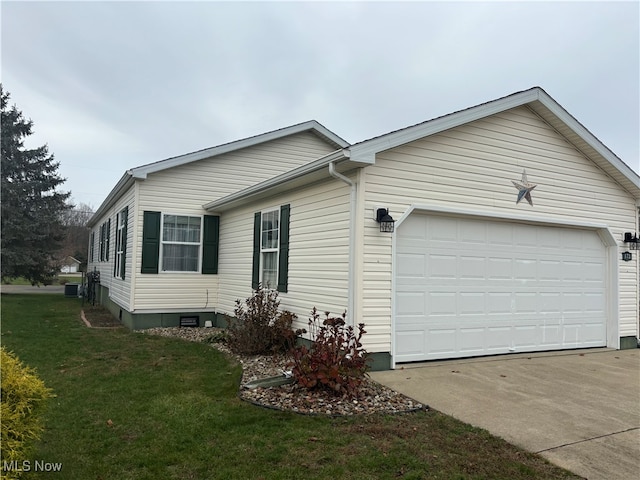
x=470, y=286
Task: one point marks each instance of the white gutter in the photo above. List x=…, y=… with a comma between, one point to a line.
x=352, y=242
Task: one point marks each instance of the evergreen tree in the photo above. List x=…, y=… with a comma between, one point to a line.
x=32, y=207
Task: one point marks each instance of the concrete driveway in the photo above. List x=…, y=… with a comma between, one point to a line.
x=578, y=409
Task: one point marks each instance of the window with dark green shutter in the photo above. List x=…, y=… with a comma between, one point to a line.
x=210, y=244
x=271, y=249
x=150, y=242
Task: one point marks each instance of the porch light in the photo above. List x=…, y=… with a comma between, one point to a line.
x=627, y=256
x=387, y=223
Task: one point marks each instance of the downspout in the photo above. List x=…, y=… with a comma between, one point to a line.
x=352, y=236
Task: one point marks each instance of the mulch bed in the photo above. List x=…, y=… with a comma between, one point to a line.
x=99, y=317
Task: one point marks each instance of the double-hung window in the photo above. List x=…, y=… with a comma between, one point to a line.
x=121, y=244
x=269, y=246
x=180, y=243
x=271, y=249
x=181, y=240
x=105, y=234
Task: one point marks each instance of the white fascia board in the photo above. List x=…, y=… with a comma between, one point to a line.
x=590, y=139
x=122, y=186
x=312, y=125
x=296, y=173
x=365, y=152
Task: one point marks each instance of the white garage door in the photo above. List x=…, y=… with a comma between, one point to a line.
x=469, y=287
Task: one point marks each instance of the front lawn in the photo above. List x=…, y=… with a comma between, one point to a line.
x=131, y=406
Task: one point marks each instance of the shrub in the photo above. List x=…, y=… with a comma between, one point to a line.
x=23, y=396
x=220, y=336
x=260, y=328
x=336, y=360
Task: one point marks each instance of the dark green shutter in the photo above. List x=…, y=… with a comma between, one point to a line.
x=210, y=244
x=150, y=242
x=283, y=260
x=102, y=242
x=255, y=273
x=123, y=260
x=108, y=235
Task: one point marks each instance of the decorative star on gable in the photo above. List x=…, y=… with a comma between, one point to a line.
x=524, y=188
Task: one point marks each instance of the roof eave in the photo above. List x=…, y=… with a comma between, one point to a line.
x=365, y=151
x=587, y=143
x=309, y=126
x=125, y=182
x=536, y=99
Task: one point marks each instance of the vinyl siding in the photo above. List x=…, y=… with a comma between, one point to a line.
x=471, y=167
x=119, y=290
x=184, y=189
x=318, y=251
x=194, y=184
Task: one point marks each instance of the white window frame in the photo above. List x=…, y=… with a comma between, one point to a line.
x=265, y=250
x=163, y=243
x=120, y=241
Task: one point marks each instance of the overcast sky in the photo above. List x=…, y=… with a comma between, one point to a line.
x=114, y=85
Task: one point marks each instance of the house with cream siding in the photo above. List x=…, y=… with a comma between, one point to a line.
x=513, y=231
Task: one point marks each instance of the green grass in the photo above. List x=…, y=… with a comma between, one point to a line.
x=132, y=406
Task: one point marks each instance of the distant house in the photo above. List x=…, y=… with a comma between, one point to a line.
x=511, y=226
x=70, y=265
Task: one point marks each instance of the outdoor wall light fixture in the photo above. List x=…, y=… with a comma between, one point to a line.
x=627, y=256
x=387, y=223
x=632, y=240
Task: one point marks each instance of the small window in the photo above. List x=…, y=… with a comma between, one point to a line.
x=181, y=239
x=269, y=247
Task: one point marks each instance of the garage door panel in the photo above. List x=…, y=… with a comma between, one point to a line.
x=441, y=267
x=441, y=304
x=496, y=287
x=526, y=336
x=498, y=339
x=471, y=303
x=413, y=342
x=472, y=267
x=525, y=303
x=500, y=302
x=499, y=268
x=441, y=341
x=412, y=265
x=472, y=340
x=411, y=304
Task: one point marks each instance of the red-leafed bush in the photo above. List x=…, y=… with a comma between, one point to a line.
x=335, y=361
